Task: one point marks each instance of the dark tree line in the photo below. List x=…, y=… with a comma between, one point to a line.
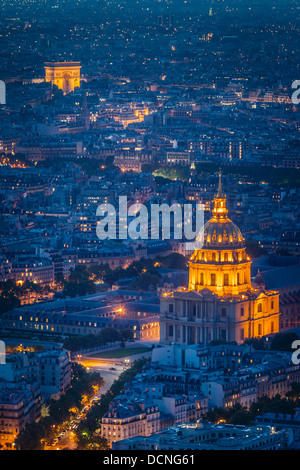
x=246, y=416
x=31, y=438
x=83, y=279
x=107, y=335
x=87, y=437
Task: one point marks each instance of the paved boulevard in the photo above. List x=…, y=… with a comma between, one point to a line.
x=103, y=366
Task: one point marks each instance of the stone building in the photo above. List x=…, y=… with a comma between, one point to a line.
x=65, y=75
x=220, y=302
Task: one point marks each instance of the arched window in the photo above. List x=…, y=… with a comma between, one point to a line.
x=226, y=257
x=213, y=279
x=259, y=308
x=213, y=256
x=259, y=329
x=226, y=280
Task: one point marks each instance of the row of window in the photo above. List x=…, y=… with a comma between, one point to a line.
x=235, y=257
x=224, y=311
x=213, y=279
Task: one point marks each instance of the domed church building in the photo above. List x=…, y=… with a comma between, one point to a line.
x=221, y=302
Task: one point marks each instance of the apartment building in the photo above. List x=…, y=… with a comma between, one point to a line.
x=20, y=403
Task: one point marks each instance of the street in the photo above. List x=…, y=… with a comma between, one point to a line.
x=110, y=369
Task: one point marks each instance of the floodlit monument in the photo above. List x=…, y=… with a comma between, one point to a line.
x=221, y=301
x=65, y=75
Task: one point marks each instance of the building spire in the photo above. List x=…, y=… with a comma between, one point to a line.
x=220, y=191
x=220, y=211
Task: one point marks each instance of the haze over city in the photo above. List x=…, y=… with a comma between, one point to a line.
x=149, y=227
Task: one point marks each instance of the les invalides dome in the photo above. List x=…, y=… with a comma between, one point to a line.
x=220, y=302
x=222, y=264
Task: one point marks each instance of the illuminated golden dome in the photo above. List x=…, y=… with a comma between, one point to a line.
x=220, y=231
x=222, y=234
x=222, y=264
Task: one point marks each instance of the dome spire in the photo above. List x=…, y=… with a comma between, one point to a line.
x=220, y=191
x=220, y=211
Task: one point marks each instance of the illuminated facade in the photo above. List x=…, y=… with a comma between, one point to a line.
x=222, y=265
x=65, y=75
x=221, y=302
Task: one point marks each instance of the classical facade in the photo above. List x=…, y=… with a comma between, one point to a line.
x=221, y=302
x=65, y=75
x=122, y=422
